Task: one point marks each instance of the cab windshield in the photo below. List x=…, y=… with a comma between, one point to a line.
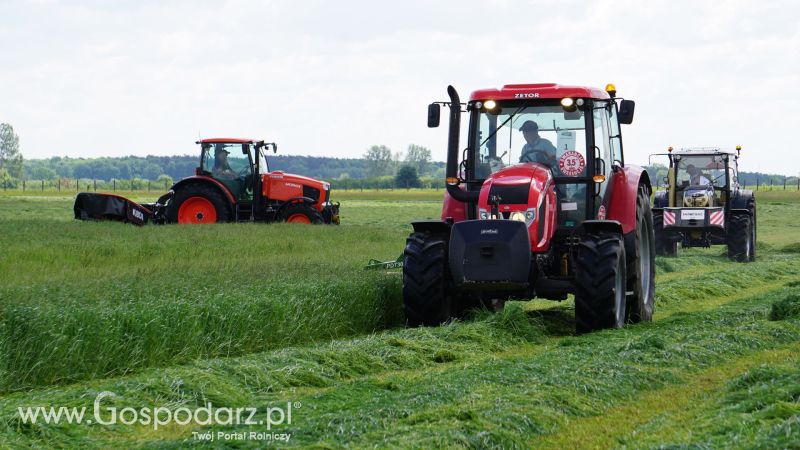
x=700, y=170
x=226, y=160
x=516, y=133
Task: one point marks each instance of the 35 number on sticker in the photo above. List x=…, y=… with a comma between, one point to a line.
x=571, y=163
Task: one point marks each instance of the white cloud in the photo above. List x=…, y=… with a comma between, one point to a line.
x=332, y=78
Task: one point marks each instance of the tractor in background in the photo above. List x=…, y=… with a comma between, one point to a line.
x=704, y=205
x=231, y=184
x=540, y=203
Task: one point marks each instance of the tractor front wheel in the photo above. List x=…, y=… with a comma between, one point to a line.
x=427, y=297
x=301, y=213
x=198, y=204
x=600, y=283
x=663, y=245
x=741, y=238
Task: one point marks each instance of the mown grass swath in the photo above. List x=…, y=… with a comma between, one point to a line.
x=252, y=315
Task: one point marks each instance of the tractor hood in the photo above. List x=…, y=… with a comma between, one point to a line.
x=299, y=179
x=528, y=188
x=519, y=187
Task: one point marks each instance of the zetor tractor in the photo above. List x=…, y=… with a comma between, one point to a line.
x=704, y=205
x=233, y=183
x=540, y=203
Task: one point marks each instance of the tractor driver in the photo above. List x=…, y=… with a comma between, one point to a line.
x=696, y=177
x=222, y=169
x=537, y=149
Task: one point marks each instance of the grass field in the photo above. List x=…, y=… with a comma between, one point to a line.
x=246, y=315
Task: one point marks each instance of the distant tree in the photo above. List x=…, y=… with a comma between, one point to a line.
x=419, y=157
x=407, y=177
x=379, y=160
x=10, y=157
x=42, y=173
x=164, y=179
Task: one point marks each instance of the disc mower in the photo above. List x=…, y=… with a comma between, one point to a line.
x=540, y=203
x=231, y=184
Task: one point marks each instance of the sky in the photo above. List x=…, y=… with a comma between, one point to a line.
x=324, y=78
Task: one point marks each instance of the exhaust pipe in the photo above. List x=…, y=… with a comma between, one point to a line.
x=451, y=171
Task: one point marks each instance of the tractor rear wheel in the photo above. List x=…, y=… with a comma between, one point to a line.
x=197, y=203
x=600, y=280
x=427, y=296
x=301, y=213
x=663, y=245
x=740, y=238
x=641, y=263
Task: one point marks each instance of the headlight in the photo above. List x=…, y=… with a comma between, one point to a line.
x=517, y=215
x=483, y=214
x=696, y=199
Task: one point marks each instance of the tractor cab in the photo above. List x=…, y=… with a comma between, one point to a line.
x=540, y=203
x=236, y=163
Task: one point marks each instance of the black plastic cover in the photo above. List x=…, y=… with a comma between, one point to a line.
x=490, y=254
x=91, y=206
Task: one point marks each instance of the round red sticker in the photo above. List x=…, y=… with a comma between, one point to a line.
x=571, y=163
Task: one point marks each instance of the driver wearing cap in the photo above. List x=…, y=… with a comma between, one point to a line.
x=222, y=169
x=537, y=149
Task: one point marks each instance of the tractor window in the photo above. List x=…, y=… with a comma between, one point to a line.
x=225, y=160
x=542, y=134
x=263, y=166
x=698, y=170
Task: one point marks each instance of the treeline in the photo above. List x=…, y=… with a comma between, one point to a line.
x=658, y=173
x=177, y=167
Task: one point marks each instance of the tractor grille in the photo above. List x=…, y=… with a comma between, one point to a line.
x=310, y=192
x=511, y=194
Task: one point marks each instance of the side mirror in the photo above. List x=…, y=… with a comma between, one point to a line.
x=626, y=108
x=434, y=111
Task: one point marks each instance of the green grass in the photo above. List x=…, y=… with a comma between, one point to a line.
x=256, y=315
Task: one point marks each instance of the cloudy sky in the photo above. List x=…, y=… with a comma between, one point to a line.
x=109, y=78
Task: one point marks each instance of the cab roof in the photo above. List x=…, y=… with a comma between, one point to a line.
x=702, y=151
x=227, y=141
x=541, y=90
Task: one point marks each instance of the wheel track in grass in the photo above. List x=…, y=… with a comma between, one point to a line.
x=618, y=424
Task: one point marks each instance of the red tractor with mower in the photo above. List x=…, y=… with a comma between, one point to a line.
x=232, y=184
x=540, y=203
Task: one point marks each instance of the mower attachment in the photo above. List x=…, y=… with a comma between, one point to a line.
x=374, y=264
x=91, y=206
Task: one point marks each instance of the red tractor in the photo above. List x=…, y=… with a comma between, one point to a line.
x=232, y=183
x=540, y=203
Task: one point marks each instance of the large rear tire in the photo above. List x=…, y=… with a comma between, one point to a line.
x=740, y=238
x=663, y=245
x=600, y=280
x=641, y=263
x=427, y=296
x=198, y=204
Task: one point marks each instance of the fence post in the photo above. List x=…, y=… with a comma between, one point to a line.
x=758, y=182
x=23, y=185
x=59, y=185
x=42, y=185
x=77, y=185
x=148, y=185
x=114, y=184
x=95, y=185
x=784, y=183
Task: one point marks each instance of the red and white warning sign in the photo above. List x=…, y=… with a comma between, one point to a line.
x=601, y=213
x=571, y=163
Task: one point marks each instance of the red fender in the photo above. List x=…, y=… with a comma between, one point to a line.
x=620, y=198
x=203, y=179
